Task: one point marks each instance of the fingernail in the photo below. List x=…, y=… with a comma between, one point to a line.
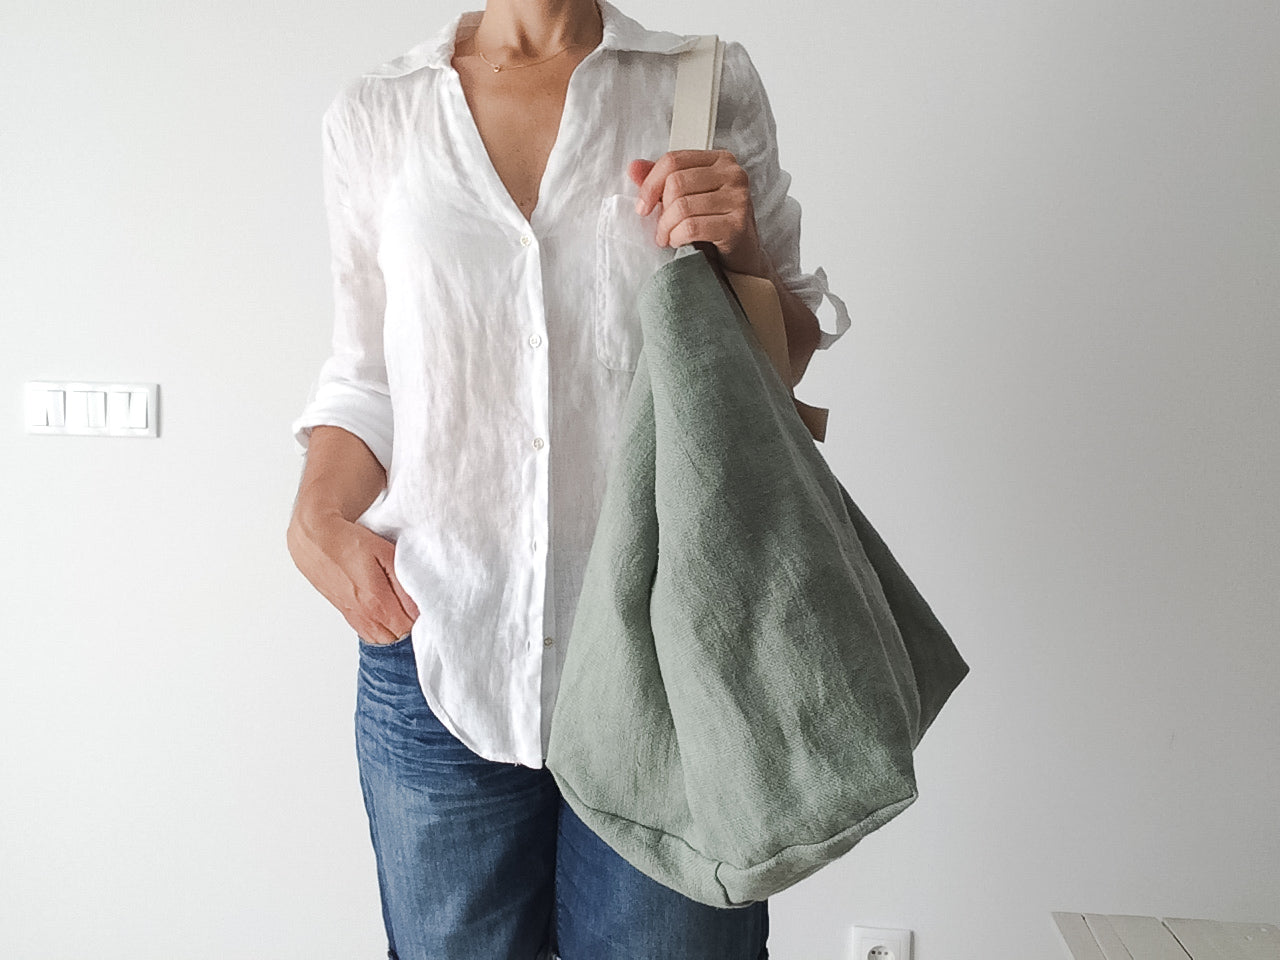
x=639, y=206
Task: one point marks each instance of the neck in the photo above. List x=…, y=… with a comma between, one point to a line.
x=528, y=29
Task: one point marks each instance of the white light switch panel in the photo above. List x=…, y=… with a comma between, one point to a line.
x=73, y=407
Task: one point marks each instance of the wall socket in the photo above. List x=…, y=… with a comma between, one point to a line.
x=878, y=943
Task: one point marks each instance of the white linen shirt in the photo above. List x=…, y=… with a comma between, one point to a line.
x=485, y=359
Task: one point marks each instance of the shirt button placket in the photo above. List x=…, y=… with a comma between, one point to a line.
x=535, y=340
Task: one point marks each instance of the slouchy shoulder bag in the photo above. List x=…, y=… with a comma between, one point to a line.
x=749, y=668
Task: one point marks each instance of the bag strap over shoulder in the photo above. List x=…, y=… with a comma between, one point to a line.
x=693, y=117
x=693, y=127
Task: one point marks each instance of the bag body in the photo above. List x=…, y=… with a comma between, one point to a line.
x=749, y=668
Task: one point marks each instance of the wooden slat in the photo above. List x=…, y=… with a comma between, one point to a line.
x=1214, y=940
x=1076, y=935
x=1146, y=938
x=1113, y=947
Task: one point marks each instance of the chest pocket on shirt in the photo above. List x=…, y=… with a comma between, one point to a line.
x=626, y=257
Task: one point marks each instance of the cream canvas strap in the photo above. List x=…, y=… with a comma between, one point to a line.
x=693, y=118
x=693, y=126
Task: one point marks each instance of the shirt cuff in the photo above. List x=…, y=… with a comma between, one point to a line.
x=365, y=414
x=811, y=289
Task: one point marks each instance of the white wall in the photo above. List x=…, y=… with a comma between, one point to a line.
x=1058, y=227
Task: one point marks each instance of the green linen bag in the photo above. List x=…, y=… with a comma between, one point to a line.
x=749, y=669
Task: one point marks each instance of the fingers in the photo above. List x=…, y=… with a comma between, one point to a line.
x=407, y=605
x=715, y=216
x=372, y=632
x=384, y=609
x=358, y=582
x=716, y=179
x=381, y=620
x=354, y=569
x=653, y=187
x=637, y=170
x=705, y=196
x=704, y=185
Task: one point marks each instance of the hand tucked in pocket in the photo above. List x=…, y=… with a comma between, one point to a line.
x=354, y=569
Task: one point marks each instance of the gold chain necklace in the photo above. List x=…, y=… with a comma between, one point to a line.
x=499, y=66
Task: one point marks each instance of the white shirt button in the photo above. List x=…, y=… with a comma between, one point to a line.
x=535, y=341
x=533, y=545
x=538, y=443
x=526, y=240
x=547, y=641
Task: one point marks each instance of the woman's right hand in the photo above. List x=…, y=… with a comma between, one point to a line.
x=354, y=569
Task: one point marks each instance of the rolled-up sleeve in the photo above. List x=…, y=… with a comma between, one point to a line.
x=745, y=126
x=351, y=391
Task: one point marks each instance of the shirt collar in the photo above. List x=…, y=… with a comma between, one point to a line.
x=620, y=33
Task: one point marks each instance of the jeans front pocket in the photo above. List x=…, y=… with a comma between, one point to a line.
x=627, y=256
x=370, y=645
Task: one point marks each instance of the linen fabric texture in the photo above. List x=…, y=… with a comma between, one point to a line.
x=750, y=669
x=485, y=358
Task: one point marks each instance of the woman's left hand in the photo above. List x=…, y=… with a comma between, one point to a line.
x=704, y=196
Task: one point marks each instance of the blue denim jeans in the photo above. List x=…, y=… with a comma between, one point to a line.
x=479, y=860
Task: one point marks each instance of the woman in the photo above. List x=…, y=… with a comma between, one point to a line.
x=491, y=217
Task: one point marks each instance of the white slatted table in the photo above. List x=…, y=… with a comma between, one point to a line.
x=1099, y=936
